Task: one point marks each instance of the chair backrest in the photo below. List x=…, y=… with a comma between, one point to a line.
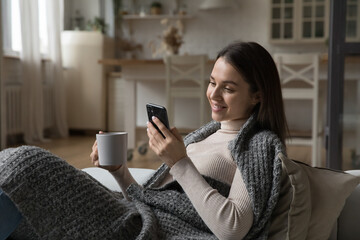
x=299, y=75
x=185, y=67
x=185, y=78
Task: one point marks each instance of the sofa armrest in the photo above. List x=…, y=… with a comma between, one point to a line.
x=105, y=178
x=346, y=227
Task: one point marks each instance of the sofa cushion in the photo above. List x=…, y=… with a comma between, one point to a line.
x=329, y=191
x=293, y=206
x=318, y=196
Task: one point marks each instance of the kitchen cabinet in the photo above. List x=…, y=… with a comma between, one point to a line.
x=300, y=21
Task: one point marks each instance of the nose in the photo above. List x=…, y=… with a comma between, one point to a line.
x=215, y=93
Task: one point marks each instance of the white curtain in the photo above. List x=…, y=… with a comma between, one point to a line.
x=54, y=10
x=32, y=107
x=33, y=103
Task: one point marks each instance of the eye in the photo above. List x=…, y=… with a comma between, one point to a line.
x=212, y=83
x=229, y=90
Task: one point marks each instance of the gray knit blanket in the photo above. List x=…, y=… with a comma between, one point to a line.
x=58, y=201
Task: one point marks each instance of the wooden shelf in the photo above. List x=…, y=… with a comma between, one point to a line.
x=156, y=17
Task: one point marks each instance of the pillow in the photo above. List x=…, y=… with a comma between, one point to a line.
x=329, y=191
x=294, y=205
x=318, y=196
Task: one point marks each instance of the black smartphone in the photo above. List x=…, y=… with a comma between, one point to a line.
x=159, y=112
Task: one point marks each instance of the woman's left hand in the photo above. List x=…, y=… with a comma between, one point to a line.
x=170, y=149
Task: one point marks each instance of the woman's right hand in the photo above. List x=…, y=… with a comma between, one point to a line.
x=94, y=156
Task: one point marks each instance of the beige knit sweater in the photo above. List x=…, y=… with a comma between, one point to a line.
x=227, y=218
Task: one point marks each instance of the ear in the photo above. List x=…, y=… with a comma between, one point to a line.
x=256, y=98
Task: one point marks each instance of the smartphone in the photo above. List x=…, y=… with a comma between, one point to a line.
x=159, y=112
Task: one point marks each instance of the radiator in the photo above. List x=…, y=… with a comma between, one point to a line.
x=13, y=108
x=48, y=107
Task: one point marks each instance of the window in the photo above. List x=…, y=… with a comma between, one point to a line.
x=313, y=19
x=282, y=16
x=299, y=20
x=15, y=26
x=353, y=20
x=308, y=21
x=12, y=27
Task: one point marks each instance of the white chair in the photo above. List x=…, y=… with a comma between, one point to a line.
x=299, y=75
x=185, y=78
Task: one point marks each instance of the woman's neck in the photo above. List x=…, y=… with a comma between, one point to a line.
x=232, y=125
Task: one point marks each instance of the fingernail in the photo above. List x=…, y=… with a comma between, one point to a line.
x=153, y=117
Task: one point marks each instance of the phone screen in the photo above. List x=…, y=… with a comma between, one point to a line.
x=159, y=112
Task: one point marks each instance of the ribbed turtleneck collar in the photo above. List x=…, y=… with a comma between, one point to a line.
x=234, y=125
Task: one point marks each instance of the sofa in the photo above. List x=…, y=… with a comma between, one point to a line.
x=346, y=227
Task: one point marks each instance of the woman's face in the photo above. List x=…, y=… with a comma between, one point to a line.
x=228, y=93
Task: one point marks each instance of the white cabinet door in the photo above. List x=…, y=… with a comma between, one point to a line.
x=353, y=20
x=300, y=21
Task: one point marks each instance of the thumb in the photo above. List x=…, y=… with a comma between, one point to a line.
x=176, y=134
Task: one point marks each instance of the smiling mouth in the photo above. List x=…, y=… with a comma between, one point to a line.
x=216, y=107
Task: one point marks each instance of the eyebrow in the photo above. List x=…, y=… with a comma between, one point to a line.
x=226, y=82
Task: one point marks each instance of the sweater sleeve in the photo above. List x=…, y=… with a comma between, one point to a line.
x=124, y=178
x=227, y=218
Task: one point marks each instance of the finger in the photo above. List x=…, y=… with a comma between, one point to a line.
x=155, y=135
x=94, y=145
x=95, y=154
x=153, y=142
x=176, y=133
x=162, y=127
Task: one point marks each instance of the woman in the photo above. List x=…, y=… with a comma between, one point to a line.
x=222, y=181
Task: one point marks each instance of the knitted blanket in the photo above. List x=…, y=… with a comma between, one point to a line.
x=58, y=201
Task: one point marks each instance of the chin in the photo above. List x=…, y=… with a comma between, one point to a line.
x=217, y=118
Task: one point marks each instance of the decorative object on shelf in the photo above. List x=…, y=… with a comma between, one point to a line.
x=215, y=4
x=171, y=38
x=129, y=48
x=183, y=10
x=98, y=24
x=155, y=8
x=78, y=21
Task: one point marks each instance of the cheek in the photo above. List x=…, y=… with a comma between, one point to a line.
x=239, y=105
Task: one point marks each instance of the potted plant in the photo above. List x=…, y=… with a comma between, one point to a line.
x=155, y=8
x=98, y=24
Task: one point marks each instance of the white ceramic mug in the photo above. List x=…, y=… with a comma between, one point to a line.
x=112, y=148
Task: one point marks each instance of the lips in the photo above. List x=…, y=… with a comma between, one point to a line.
x=217, y=107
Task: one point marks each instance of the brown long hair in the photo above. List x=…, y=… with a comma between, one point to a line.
x=258, y=68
